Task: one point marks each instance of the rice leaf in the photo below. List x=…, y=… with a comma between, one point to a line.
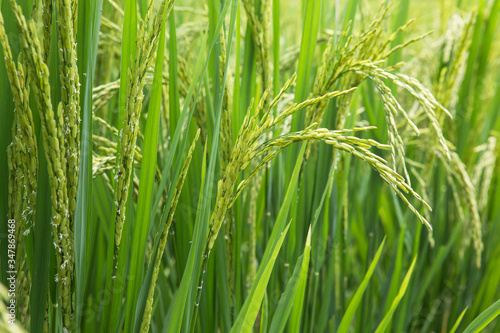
x=356, y=299
x=457, y=323
x=486, y=317
x=249, y=311
x=384, y=324
x=307, y=48
x=89, y=19
x=290, y=298
x=183, y=300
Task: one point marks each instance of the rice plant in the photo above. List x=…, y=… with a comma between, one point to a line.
x=249, y=166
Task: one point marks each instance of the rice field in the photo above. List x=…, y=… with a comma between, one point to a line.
x=250, y=166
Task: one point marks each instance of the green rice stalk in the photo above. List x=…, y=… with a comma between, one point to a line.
x=364, y=58
x=226, y=147
x=258, y=21
x=370, y=49
x=248, y=147
x=25, y=140
x=147, y=43
x=163, y=237
x=54, y=146
x=70, y=96
x=356, y=146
